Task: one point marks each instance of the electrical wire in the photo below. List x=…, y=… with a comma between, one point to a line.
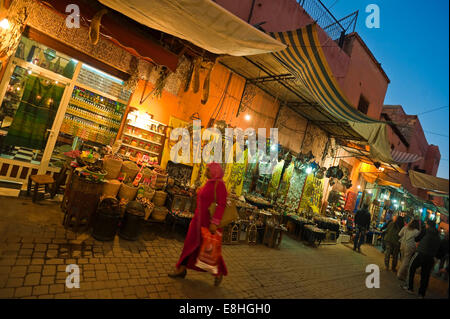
x=433, y=110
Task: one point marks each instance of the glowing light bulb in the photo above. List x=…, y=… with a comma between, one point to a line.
x=247, y=117
x=29, y=71
x=308, y=170
x=18, y=89
x=4, y=24
x=369, y=191
x=56, y=82
x=359, y=187
x=273, y=147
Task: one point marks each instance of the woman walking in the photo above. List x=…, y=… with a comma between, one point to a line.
x=392, y=243
x=214, y=187
x=407, y=235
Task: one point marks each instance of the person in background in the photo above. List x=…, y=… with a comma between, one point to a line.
x=443, y=253
x=214, y=188
x=408, y=236
x=362, y=222
x=383, y=231
x=392, y=243
x=429, y=244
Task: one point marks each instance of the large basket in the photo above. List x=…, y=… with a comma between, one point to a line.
x=160, y=198
x=159, y=213
x=111, y=188
x=127, y=192
x=112, y=167
x=130, y=170
x=148, y=212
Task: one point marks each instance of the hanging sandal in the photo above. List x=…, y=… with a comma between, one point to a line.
x=218, y=280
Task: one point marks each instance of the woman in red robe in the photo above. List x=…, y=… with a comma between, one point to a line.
x=202, y=218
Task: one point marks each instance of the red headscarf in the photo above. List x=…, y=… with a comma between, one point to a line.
x=215, y=171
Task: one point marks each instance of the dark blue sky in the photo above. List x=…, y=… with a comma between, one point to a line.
x=412, y=45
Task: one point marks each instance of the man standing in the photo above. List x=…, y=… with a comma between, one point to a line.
x=429, y=243
x=362, y=221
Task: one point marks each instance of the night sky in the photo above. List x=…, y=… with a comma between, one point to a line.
x=412, y=45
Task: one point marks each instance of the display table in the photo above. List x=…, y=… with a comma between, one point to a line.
x=313, y=235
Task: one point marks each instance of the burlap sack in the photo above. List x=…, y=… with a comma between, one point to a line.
x=111, y=188
x=160, y=198
x=130, y=169
x=159, y=213
x=127, y=192
x=112, y=167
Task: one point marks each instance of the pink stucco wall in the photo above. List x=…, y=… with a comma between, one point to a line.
x=354, y=68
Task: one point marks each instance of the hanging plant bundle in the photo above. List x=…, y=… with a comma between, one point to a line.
x=161, y=82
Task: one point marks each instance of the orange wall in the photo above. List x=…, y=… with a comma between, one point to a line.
x=263, y=110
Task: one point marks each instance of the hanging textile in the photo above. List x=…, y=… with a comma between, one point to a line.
x=297, y=183
x=35, y=114
x=235, y=180
x=312, y=194
x=285, y=184
x=275, y=180
x=305, y=59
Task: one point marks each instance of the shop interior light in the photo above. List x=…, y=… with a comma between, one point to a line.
x=369, y=191
x=4, y=24
x=247, y=117
x=308, y=170
x=386, y=196
x=56, y=82
x=403, y=203
x=359, y=187
x=29, y=71
x=394, y=201
x=273, y=147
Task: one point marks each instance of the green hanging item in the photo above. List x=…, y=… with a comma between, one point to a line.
x=69, y=69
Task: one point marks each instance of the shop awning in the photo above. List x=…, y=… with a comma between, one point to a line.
x=202, y=22
x=428, y=182
x=305, y=59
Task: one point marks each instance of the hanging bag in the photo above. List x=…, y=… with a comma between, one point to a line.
x=229, y=215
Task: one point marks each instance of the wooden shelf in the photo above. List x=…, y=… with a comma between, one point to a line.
x=140, y=149
x=162, y=134
x=142, y=139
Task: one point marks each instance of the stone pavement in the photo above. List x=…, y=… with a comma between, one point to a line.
x=35, y=249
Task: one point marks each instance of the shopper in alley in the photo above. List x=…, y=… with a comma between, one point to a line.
x=213, y=190
x=428, y=248
x=362, y=222
x=391, y=239
x=408, y=236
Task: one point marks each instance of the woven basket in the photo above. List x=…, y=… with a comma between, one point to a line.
x=127, y=192
x=159, y=213
x=111, y=188
x=148, y=212
x=160, y=198
x=149, y=194
x=130, y=169
x=112, y=167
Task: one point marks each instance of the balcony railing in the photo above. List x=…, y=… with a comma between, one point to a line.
x=336, y=29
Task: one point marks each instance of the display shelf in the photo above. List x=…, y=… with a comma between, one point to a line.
x=80, y=104
x=143, y=139
x=139, y=149
x=146, y=135
x=109, y=96
x=95, y=121
x=162, y=134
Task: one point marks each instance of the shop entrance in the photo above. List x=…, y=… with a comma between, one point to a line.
x=51, y=104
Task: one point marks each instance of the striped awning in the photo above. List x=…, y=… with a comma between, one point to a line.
x=305, y=59
x=402, y=157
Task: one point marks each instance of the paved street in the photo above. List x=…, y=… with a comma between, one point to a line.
x=35, y=249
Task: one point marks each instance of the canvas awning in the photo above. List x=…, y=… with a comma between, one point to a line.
x=305, y=59
x=428, y=182
x=202, y=22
